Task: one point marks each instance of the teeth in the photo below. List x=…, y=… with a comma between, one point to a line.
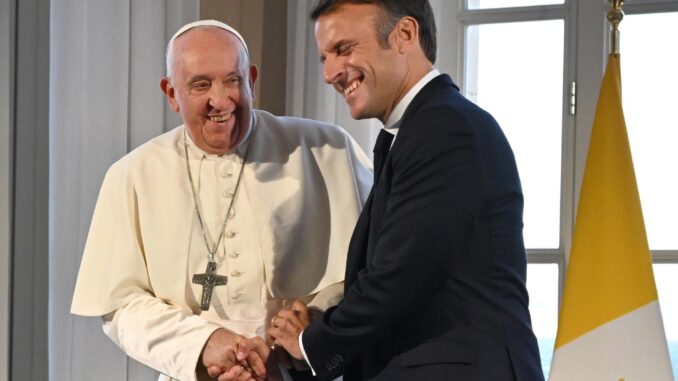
x=220, y=118
x=351, y=88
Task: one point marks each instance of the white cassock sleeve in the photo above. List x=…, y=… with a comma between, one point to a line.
x=152, y=332
x=163, y=337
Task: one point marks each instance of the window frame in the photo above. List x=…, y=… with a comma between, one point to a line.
x=586, y=46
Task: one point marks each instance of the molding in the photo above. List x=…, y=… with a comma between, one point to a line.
x=29, y=258
x=6, y=151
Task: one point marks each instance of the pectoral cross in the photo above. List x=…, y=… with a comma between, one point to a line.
x=209, y=279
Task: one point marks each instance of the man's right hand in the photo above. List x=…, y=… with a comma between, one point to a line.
x=223, y=358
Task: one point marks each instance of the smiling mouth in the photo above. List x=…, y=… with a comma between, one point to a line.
x=353, y=86
x=220, y=118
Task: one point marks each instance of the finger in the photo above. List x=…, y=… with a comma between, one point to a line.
x=258, y=358
x=293, y=326
x=255, y=344
x=232, y=374
x=286, y=314
x=214, y=371
x=277, y=334
x=257, y=364
x=298, y=319
x=299, y=307
x=245, y=376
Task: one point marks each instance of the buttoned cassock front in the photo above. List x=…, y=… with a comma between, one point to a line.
x=302, y=189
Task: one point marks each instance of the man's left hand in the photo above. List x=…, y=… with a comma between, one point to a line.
x=286, y=327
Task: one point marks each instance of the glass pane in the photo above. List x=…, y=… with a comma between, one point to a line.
x=484, y=4
x=649, y=63
x=666, y=277
x=515, y=71
x=542, y=285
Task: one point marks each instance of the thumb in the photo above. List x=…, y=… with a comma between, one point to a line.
x=243, y=350
x=214, y=371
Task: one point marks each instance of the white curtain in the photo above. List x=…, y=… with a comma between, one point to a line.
x=309, y=96
x=106, y=61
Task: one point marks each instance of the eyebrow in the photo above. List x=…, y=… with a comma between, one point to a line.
x=335, y=48
x=197, y=78
x=203, y=77
x=341, y=43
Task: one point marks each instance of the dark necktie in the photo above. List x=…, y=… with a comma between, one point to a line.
x=381, y=148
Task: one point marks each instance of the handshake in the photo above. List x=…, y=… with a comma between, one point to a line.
x=228, y=356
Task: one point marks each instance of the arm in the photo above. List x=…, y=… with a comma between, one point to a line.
x=174, y=341
x=436, y=192
x=113, y=282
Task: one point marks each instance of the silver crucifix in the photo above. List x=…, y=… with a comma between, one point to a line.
x=209, y=280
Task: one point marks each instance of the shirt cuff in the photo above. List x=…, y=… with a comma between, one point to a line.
x=303, y=353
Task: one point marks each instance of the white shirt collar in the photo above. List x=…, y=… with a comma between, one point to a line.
x=392, y=124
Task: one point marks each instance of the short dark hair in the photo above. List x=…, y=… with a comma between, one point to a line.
x=394, y=10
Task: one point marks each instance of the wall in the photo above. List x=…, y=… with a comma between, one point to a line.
x=263, y=25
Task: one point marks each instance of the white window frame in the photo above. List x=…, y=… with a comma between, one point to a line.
x=586, y=48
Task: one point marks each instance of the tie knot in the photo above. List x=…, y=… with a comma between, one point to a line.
x=384, y=140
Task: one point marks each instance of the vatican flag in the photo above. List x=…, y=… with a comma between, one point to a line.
x=610, y=325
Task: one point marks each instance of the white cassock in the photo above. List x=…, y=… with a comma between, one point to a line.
x=303, y=186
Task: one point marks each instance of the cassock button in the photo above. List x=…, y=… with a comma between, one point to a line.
x=226, y=173
x=236, y=295
x=234, y=254
x=232, y=214
x=230, y=234
x=228, y=194
x=236, y=273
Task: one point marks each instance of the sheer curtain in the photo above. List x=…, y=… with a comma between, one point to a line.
x=106, y=61
x=309, y=96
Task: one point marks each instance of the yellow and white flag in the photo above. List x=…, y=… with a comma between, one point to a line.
x=610, y=325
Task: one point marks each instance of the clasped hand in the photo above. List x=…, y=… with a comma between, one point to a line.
x=286, y=327
x=231, y=357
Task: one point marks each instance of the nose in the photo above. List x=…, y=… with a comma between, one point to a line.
x=221, y=96
x=333, y=70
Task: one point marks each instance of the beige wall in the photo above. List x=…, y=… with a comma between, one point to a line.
x=263, y=24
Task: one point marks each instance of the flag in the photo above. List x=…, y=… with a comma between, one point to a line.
x=610, y=325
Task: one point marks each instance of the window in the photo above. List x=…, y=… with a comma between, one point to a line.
x=649, y=95
x=514, y=67
x=520, y=60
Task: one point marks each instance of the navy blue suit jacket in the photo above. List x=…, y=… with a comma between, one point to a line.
x=435, y=279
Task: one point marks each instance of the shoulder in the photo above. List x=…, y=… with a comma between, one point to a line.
x=300, y=129
x=440, y=108
x=155, y=151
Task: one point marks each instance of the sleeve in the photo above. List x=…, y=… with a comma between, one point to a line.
x=113, y=267
x=165, y=338
x=429, y=215
x=113, y=282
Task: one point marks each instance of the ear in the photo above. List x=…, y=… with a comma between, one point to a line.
x=254, y=72
x=168, y=90
x=406, y=33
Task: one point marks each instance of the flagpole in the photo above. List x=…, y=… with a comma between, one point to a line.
x=615, y=16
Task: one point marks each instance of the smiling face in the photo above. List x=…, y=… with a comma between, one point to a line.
x=371, y=78
x=209, y=85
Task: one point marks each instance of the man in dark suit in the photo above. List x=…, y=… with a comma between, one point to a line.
x=435, y=279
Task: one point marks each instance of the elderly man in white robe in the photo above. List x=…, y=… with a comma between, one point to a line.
x=200, y=235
